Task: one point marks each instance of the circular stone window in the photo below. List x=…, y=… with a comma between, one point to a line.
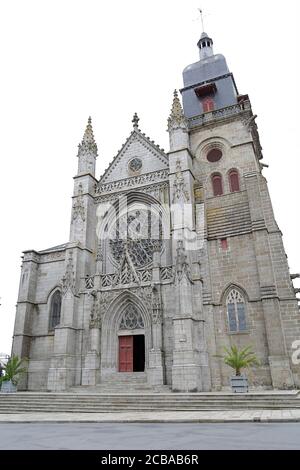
x=214, y=155
x=135, y=164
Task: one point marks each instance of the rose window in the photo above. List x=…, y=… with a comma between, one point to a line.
x=135, y=164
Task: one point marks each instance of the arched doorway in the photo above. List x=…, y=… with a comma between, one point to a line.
x=114, y=326
x=131, y=339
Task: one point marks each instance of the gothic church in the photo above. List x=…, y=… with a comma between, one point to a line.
x=171, y=257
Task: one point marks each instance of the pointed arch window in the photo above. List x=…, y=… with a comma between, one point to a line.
x=234, y=182
x=217, y=185
x=131, y=318
x=55, y=309
x=208, y=104
x=236, y=312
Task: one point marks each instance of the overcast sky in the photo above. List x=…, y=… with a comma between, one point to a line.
x=63, y=60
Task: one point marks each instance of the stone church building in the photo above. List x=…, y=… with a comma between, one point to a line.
x=172, y=256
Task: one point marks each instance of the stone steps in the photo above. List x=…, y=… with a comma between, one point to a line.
x=131, y=382
x=23, y=402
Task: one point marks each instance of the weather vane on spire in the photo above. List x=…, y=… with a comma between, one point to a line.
x=201, y=17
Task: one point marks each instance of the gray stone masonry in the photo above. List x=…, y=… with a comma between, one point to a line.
x=215, y=273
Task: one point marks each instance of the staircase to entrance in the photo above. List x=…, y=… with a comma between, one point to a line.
x=125, y=401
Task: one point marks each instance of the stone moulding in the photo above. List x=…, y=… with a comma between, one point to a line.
x=114, y=280
x=139, y=180
x=152, y=190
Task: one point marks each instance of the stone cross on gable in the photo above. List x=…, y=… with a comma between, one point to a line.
x=135, y=121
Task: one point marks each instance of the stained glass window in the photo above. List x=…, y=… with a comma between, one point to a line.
x=141, y=231
x=131, y=318
x=55, y=310
x=236, y=311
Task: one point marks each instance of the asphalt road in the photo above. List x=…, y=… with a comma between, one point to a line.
x=121, y=436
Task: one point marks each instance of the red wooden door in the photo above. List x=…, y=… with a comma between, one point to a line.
x=125, y=353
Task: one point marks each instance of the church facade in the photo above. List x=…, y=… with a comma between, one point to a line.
x=171, y=257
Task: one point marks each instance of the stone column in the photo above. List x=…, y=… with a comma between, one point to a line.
x=155, y=370
x=91, y=368
x=186, y=369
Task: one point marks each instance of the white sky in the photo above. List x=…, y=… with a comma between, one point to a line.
x=62, y=60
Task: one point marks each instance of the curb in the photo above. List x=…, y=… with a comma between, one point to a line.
x=152, y=420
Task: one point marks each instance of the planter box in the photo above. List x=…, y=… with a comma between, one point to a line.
x=239, y=384
x=8, y=387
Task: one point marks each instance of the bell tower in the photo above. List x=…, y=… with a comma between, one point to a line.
x=243, y=250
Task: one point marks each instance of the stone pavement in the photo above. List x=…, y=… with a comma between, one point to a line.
x=230, y=416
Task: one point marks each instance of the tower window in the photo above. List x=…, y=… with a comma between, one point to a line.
x=224, y=244
x=217, y=185
x=234, y=182
x=208, y=104
x=55, y=309
x=214, y=155
x=236, y=312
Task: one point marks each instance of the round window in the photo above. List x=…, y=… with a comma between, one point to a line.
x=214, y=155
x=135, y=164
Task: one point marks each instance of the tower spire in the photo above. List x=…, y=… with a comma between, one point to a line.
x=87, y=150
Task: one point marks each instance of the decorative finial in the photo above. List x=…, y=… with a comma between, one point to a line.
x=88, y=144
x=176, y=111
x=135, y=121
x=177, y=118
x=88, y=134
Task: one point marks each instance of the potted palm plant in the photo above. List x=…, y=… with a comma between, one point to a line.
x=13, y=369
x=239, y=359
